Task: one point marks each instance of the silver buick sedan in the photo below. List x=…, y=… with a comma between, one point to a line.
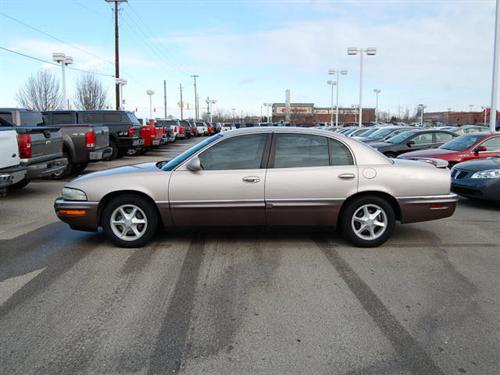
x=261, y=176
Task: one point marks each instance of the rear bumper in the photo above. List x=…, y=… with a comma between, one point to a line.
x=129, y=143
x=79, y=215
x=478, y=188
x=9, y=176
x=46, y=168
x=100, y=154
x=425, y=208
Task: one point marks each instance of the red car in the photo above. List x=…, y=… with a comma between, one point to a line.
x=148, y=133
x=211, y=128
x=467, y=147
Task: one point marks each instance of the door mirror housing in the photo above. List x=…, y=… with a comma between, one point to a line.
x=480, y=149
x=194, y=164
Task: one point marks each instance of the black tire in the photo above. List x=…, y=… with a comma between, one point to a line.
x=19, y=185
x=357, y=204
x=147, y=208
x=115, y=151
x=79, y=168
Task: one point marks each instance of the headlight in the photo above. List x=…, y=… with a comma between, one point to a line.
x=490, y=173
x=71, y=194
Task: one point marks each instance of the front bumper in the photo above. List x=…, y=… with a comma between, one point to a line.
x=425, y=208
x=80, y=215
x=46, y=168
x=478, y=188
x=10, y=176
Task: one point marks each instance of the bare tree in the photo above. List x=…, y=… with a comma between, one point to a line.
x=90, y=93
x=41, y=92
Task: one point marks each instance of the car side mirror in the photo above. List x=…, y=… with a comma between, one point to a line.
x=194, y=164
x=410, y=143
x=480, y=149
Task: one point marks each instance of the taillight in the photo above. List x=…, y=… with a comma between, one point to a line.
x=24, y=143
x=90, y=140
x=131, y=132
x=152, y=131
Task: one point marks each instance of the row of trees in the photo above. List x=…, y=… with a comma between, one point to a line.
x=42, y=92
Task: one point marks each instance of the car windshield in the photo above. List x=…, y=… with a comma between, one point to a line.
x=462, y=143
x=133, y=119
x=400, y=137
x=171, y=164
x=368, y=132
x=381, y=133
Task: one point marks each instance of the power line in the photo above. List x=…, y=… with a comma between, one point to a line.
x=53, y=63
x=55, y=38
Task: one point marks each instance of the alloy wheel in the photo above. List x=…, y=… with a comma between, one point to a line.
x=128, y=222
x=369, y=222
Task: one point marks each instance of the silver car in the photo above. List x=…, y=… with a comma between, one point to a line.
x=261, y=176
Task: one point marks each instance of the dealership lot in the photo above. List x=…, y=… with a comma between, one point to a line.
x=246, y=300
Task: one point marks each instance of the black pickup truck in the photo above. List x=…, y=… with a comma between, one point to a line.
x=123, y=127
x=40, y=147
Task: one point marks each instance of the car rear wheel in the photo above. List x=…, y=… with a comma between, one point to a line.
x=114, y=150
x=68, y=170
x=368, y=221
x=129, y=221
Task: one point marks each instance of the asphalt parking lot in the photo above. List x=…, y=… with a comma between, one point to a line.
x=246, y=301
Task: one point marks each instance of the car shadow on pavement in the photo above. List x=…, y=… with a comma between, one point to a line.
x=477, y=203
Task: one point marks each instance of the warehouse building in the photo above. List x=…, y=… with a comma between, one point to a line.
x=459, y=118
x=309, y=115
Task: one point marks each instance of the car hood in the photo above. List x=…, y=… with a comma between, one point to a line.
x=432, y=153
x=379, y=144
x=127, y=169
x=481, y=164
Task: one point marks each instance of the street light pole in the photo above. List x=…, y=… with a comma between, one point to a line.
x=494, y=83
x=376, y=91
x=338, y=73
x=121, y=82
x=370, y=52
x=150, y=93
x=331, y=83
x=195, y=97
x=64, y=60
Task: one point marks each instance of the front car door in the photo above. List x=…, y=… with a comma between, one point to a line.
x=420, y=141
x=228, y=190
x=308, y=178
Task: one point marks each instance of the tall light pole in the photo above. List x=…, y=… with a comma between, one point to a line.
x=339, y=73
x=485, y=110
x=64, y=60
x=210, y=102
x=150, y=94
x=421, y=108
x=376, y=91
x=181, y=103
x=194, y=76
x=121, y=82
x=268, y=105
x=352, y=51
x=494, y=80
x=354, y=106
x=117, y=50
x=331, y=83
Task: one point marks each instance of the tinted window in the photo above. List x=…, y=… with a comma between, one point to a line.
x=7, y=116
x=400, y=137
x=31, y=118
x=170, y=165
x=92, y=118
x=423, y=139
x=300, y=150
x=443, y=137
x=339, y=153
x=243, y=152
x=492, y=144
x=133, y=119
x=63, y=118
x=112, y=117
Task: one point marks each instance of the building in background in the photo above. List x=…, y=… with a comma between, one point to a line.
x=459, y=118
x=308, y=115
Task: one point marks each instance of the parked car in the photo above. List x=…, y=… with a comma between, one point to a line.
x=40, y=147
x=82, y=143
x=11, y=170
x=363, y=132
x=202, y=128
x=210, y=128
x=477, y=179
x=124, y=127
x=384, y=133
x=261, y=176
x=467, y=147
x=148, y=134
x=468, y=129
x=171, y=129
x=190, y=128
x=413, y=140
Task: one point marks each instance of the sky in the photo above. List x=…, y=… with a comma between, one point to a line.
x=438, y=53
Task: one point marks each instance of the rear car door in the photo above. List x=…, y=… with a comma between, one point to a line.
x=229, y=190
x=308, y=178
x=492, y=147
x=441, y=138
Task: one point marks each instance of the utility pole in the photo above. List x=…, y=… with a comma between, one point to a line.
x=494, y=78
x=195, y=97
x=182, y=103
x=165, y=96
x=117, y=51
x=376, y=91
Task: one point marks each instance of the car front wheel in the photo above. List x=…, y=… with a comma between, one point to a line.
x=368, y=221
x=129, y=221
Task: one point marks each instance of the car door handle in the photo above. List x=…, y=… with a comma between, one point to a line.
x=346, y=176
x=251, y=179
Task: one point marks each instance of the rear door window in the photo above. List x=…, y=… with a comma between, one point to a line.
x=492, y=144
x=443, y=137
x=423, y=139
x=301, y=150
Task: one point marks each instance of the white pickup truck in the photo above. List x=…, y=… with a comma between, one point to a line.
x=11, y=172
